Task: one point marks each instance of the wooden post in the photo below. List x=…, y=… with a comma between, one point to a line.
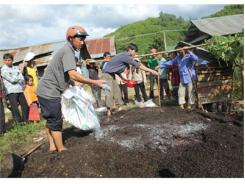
x=165, y=42
x=158, y=88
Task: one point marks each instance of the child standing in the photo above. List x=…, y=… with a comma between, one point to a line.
x=163, y=78
x=32, y=100
x=140, y=78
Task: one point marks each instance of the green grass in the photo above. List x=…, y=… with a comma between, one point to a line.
x=18, y=136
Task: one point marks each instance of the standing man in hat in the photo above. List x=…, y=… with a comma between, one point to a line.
x=56, y=79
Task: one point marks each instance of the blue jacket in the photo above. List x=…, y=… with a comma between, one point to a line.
x=186, y=66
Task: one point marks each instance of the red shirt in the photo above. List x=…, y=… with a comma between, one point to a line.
x=175, y=78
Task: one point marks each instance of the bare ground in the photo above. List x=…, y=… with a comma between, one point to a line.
x=146, y=143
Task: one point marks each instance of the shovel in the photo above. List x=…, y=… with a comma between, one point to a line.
x=13, y=164
x=25, y=155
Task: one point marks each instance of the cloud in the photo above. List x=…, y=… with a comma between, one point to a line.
x=23, y=25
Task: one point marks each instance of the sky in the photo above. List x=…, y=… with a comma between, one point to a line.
x=30, y=24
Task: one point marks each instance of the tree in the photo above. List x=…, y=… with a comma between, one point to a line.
x=158, y=42
x=229, y=49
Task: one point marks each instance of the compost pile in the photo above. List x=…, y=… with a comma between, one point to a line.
x=148, y=142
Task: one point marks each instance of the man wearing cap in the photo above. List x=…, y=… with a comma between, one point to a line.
x=116, y=66
x=55, y=80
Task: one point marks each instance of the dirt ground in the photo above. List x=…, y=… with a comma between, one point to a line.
x=146, y=143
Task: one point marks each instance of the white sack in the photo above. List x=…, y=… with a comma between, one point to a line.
x=78, y=110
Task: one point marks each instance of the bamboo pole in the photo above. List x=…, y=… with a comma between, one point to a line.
x=161, y=52
x=143, y=55
x=95, y=60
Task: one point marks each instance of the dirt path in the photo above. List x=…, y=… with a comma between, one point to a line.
x=146, y=142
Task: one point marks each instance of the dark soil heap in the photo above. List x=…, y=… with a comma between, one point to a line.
x=148, y=142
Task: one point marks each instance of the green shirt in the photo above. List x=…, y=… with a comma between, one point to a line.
x=152, y=62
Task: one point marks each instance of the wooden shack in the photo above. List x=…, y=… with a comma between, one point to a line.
x=215, y=81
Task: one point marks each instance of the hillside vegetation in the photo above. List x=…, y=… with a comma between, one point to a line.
x=228, y=10
x=150, y=32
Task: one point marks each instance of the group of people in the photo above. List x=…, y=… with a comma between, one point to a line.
x=178, y=68
x=62, y=72
x=18, y=87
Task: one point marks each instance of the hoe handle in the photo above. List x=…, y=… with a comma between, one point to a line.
x=31, y=150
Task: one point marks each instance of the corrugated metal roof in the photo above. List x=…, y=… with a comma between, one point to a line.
x=201, y=38
x=96, y=48
x=218, y=26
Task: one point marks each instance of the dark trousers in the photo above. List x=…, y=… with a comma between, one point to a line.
x=51, y=111
x=175, y=93
x=140, y=87
x=152, y=82
x=164, y=86
x=2, y=117
x=15, y=100
x=124, y=92
x=96, y=90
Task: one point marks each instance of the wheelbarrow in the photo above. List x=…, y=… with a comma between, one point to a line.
x=13, y=164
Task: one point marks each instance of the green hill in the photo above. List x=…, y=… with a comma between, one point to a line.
x=150, y=32
x=228, y=10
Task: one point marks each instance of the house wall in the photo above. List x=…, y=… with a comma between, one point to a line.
x=214, y=81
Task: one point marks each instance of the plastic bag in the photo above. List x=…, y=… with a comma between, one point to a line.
x=107, y=89
x=78, y=110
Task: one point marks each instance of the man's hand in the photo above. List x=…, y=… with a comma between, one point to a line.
x=157, y=67
x=155, y=73
x=100, y=83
